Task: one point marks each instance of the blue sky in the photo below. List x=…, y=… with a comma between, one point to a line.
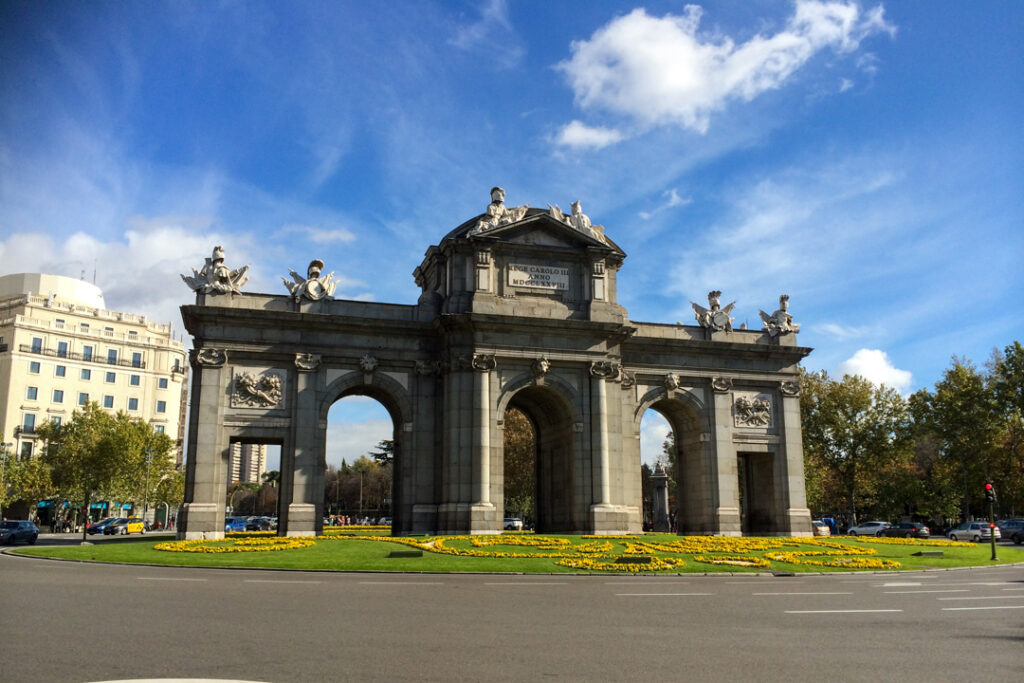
x=865, y=158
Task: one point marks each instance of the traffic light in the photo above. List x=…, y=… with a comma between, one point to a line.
x=990, y=493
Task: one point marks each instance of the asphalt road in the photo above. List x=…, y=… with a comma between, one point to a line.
x=66, y=621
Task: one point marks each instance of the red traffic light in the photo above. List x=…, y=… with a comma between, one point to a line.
x=988, y=487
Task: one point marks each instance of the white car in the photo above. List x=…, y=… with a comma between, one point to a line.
x=973, y=531
x=869, y=529
x=513, y=524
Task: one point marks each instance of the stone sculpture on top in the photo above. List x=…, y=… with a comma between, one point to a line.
x=215, y=277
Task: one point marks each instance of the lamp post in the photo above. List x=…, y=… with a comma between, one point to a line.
x=145, y=504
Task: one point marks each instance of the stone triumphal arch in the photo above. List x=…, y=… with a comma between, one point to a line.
x=518, y=308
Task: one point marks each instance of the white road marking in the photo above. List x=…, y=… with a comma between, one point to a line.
x=991, y=583
x=964, y=609
x=839, y=611
x=401, y=583
x=276, y=581
x=895, y=584
x=526, y=582
x=941, y=590
x=654, y=595
x=841, y=593
x=1013, y=589
x=989, y=597
x=166, y=578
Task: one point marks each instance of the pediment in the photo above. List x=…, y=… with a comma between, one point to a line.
x=539, y=228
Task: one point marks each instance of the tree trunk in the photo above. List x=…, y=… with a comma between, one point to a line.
x=85, y=513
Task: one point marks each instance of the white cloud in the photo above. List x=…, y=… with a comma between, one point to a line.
x=318, y=235
x=581, y=136
x=845, y=84
x=841, y=332
x=660, y=71
x=672, y=200
x=492, y=34
x=874, y=365
x=654, y=429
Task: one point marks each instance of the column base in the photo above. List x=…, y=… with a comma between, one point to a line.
x=610, y=520
x=798, y=522
x=200, y=522
x=301, y=520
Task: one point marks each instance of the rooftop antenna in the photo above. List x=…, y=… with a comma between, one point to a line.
x=94, y=271
x=82, y=277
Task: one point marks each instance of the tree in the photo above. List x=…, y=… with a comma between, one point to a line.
x=1006, y=379
x=856, y=430
x=27, y=480
x=385, y=453
x=520, y=465
x=95, y=455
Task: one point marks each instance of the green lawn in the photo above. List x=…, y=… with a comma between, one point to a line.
x=640, y=554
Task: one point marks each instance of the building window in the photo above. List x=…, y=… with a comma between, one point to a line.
x=161, y=406
x=86, y=373
x=83, y=399
x=134, y=380
x=159, y=429
x=85, y=327
x=57, y=420
x=58, y=323
x=133, y=404
x=177, y=365
x=60, y=371
x=162, y=383
x=112, y=356
x=62, y=349
x=108, y=401
x=37, y=345
x=133, y=333
x=58, y=396
x=33, y=367
x=32, y=393
x=136, y=360
x=28, y=423
x=26, y=450
x=87, y=353
x=110, y=378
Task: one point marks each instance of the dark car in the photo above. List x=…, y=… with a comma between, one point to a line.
x=98, y=527
x=257, y=524
x=1012, y=529
x=907, y=530
x=14, y=530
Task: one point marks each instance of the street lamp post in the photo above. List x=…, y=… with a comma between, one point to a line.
x=145, y=504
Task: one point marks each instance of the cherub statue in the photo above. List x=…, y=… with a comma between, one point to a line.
x=312, y=287
x=498, y=214
x=215, y=277
x=780, y=322
x=715, y=318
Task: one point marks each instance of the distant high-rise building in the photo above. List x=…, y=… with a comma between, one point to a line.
x=60, y=348
x=248, y=462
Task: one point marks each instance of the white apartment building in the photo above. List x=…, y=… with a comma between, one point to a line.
x=248, y=462
x=61, y=348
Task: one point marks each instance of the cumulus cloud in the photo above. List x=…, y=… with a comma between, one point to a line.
x=874, y=365
x=578, y=135
x=662, y=71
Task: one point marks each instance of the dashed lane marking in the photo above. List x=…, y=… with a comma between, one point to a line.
x=839, y=611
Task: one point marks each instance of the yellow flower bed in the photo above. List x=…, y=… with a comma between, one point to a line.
x=237, y=545
x=734, y=561
x=938, y=543
x=601, y=564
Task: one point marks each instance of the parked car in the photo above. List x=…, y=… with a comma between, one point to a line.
x=14, y=530
x=234, y=524
x=973, y=531
x=98, y=527
x=257, y=524
x=874, y=528
x=125, y=526
x=513, y=524
x=1012, y=529
x=907, y=530
x=820, y=528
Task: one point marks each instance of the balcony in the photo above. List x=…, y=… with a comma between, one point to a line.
x=73, y=355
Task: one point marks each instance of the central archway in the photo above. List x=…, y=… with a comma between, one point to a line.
x=556, y=477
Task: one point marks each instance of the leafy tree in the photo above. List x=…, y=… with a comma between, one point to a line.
x=961, y=414
x=95, y=455
x=520, y=465
x=26, y=480
x=271, y=477
x=1006, y=379
x=856, y=431
x=385, y=453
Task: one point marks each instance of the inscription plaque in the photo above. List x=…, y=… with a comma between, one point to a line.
x=538, y=277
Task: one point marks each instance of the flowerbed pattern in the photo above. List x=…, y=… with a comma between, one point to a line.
x=622, y=554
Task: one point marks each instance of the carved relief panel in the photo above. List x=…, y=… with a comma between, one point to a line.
x=752, y=409
x=257, y=389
